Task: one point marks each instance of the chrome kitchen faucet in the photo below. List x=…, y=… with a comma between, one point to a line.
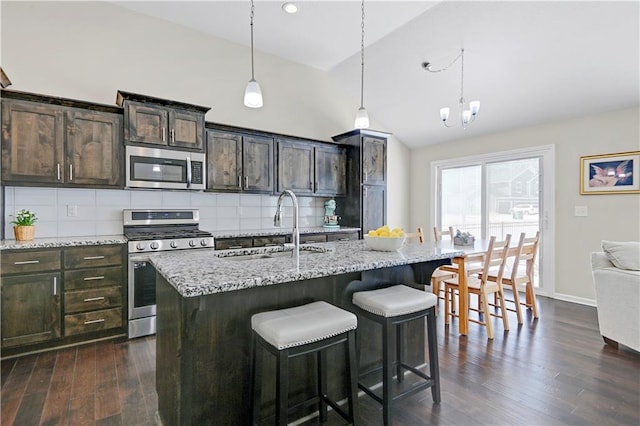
x=295, y=233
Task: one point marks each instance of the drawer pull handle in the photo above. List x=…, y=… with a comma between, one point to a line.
x=93, y=257
x=101, y=277
x=270, y=245
x=94, y=299
x=26, y=262
x=94, y=321
x=235, y=247
x=55, y=286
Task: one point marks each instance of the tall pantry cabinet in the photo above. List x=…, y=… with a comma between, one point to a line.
x=365, y=205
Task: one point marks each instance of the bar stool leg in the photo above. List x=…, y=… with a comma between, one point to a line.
x=400, y=352
x=256, y=380
x=352, y=374
x=434, y=368
x=322, y=384
x=282, y=388
x=387, y=372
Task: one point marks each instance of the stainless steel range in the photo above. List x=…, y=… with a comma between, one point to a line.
x=151, y=231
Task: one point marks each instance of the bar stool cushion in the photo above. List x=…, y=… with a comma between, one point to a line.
x=394, y=301
x=286, y=328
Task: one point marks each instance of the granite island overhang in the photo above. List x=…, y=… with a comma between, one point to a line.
x=205, y=299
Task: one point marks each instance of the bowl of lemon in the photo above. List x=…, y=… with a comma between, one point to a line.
x=385, y=239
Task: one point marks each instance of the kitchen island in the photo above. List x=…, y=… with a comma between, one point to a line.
x=205, y=299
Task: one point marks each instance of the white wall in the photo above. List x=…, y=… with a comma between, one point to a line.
x=89, y=50
x=611, y=217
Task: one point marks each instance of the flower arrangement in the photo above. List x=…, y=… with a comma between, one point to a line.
x=25, y=218
x=463, y=239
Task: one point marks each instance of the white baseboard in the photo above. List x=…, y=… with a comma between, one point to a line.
x=574, y=299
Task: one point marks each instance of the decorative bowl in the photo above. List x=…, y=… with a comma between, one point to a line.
x=383, y=243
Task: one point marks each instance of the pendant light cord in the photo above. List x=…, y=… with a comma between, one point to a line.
x=252, y=13
x=362, y=61
x=462, y=78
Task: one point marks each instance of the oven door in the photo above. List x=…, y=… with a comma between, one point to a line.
x=142, y=296
x=165, y=169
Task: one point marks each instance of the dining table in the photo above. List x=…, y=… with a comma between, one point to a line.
x=472, y=254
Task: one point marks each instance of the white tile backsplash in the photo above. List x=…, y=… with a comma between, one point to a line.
x=99, y=211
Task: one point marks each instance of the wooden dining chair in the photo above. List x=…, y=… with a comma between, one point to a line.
x=494, y=257
x=415, y=237
x=529, y=254
x=443, y=272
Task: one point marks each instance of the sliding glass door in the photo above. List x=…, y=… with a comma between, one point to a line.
x=496, y=195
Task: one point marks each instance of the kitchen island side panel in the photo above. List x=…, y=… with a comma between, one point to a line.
x=203, y=345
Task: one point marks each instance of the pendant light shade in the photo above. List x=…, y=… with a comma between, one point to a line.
x=362, y=119
x=253, y=93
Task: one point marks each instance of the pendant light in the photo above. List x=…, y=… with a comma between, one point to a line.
x=362, y=117
x=253, y=93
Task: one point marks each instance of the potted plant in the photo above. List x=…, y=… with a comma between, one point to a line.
x=23, y=225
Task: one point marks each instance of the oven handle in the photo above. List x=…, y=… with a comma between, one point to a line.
x=188, y=171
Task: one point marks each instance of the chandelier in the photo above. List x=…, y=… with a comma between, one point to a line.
x=467, y=116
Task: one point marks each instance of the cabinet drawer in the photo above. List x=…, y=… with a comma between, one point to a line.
x=268, y=241
x=342, y=236
x=96, y=277
x=317, y=238
x=233, y=243
x=92, y=321
x=28, y=261
x=90, y=257
x=95, y=298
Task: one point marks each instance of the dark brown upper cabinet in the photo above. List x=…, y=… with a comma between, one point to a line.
x=47, y=143
x=374, y=161
x=308, y=168
x=238, y=162
x=156, y=121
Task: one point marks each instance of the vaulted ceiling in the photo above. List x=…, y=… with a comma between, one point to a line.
x=527, y=62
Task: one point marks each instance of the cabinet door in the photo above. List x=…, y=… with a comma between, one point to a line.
x=257, y=164
x=295, y=167
x=186, y=129
x=93, y=146
x=30, y=309
x=224, y=161
x=374, y=213
x=374, y=161
x=146, y=124
x=330, y=170
x=32, y=142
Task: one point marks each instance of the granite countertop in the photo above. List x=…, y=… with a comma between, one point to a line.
x=207, y=271
x=284, y=230
x=62, y=242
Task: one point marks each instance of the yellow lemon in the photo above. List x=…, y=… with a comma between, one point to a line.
x=372, y=233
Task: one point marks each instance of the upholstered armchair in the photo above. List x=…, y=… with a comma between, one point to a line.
x=616, y=275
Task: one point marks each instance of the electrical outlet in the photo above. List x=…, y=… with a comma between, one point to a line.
x=72, y=210
x=580, y=211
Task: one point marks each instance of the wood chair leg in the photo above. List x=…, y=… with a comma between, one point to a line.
x=516, y=299
x=399, y=352
x=387, y=373
x=487, y=316
x=447, y=313
x=532, y=295
x=503, y=308
x=322, y=383
x=352, y=375
x=282, y=388
x=256, y=381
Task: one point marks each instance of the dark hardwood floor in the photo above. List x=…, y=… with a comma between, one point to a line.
x=552, y=371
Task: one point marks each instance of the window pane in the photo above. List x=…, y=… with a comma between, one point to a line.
x=462, y=199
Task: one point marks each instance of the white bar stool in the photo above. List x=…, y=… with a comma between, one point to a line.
x=310, y=328
x=392, y=307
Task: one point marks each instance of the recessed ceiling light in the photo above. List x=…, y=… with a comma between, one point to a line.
x=289, y=7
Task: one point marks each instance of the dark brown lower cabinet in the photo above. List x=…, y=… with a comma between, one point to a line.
x=56, y=297
x=30, y=309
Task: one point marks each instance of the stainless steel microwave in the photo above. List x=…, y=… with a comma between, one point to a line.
x=164, y=168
